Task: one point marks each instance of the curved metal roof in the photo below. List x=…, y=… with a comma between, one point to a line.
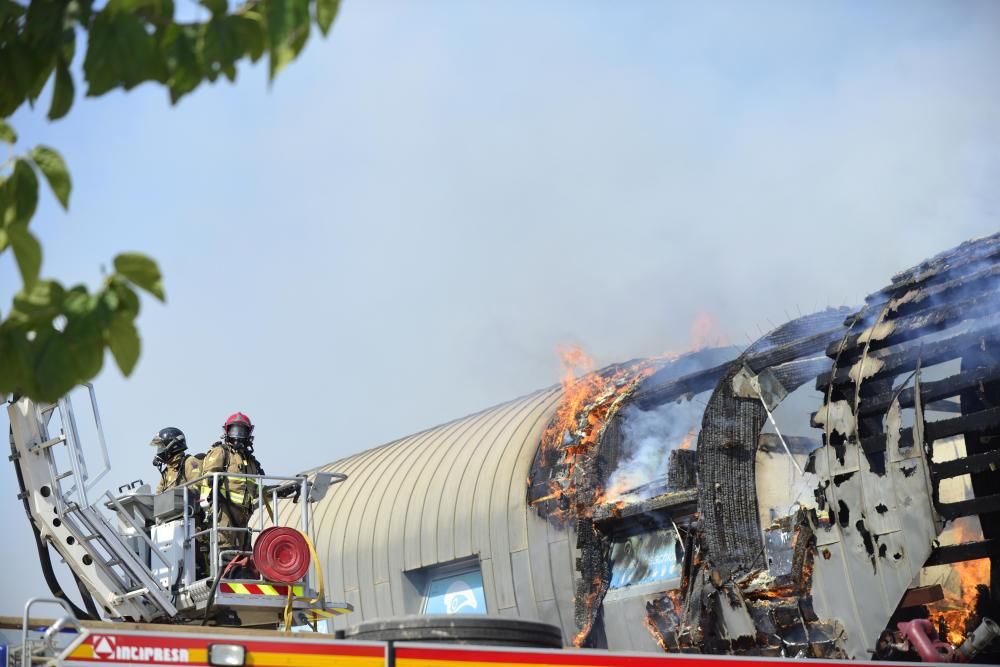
x=450, y=492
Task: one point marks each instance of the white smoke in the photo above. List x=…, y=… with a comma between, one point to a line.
x=648, y=437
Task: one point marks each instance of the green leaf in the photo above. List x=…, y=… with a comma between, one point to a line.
x=16, y=360
x=7, y=133
x=22, y=66
x=106, y=308
x=179, y=50
x=8, y=203
x=77, y=301
x=44, y=21
x=4, y=239
x=86, y=344
x=21, y=192
x=27, y=252
x=55, y=369
x=221, y=47
x=10, y=11
x=41, y=299
x=54, y=169
x=123, y=340
x=287, y=31
x=163, y=9
x=62, y=92
x=326, y=12
x=120, y=52
x=128, y=300
x=250, y=29
x=217, y=7
x=39, y=302
x=142, y=271
x=9, y=365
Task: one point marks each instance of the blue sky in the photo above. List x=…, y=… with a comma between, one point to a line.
x=405, y=225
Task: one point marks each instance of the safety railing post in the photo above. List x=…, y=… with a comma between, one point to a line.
x=304, y=510
x=185, y=533
x=261, y=498
x=215, y=525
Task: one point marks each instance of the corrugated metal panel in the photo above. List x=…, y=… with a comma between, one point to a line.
x=453, y=491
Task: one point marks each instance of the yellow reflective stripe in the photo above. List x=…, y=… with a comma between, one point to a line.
x=266, y=589
x=296, y=590
x=240, y=588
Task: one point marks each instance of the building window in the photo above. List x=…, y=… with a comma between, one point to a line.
x=455, y=594
x=644, y=559
x=450, y=588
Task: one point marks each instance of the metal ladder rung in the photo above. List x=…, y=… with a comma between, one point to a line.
x=68, y=473
x=61, y=438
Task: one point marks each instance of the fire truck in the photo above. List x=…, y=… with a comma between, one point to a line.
x=135, y=557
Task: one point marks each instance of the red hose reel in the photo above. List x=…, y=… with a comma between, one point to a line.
x=281, y=555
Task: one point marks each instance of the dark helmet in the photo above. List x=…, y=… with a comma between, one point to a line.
x=238, y=430
x=168, y=442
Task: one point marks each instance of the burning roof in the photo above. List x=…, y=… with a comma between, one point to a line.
x=914, y=368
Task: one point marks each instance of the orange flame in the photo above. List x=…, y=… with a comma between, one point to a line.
x=705, y=333
x=654, y=630
x=588, y=401
x=956, y=610
x=688, y=440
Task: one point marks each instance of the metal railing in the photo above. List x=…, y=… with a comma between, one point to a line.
x=270, y=493
x=47, y=642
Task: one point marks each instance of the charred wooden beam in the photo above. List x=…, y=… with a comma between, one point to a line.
x=794, y=374
x=800, y=347
x=727, y=496
x=916, y=299
x=952, y=407
x=987, y=481
x=670, y=502
x=956, y=553
x=594, y=566
x=895, y=360
x=968, y=464
x=930, y=391
x=682, y=469
x=971, y=507
x=978, y=422
x=903, y=329
x=917, y=597
x=957, y=261
x=650, y=395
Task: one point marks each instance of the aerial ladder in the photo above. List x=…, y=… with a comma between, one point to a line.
x=135, y=553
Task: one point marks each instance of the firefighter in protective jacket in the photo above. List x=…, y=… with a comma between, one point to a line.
x=232, y=454
x=176, y=466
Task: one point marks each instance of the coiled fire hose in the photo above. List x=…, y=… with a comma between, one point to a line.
x=283, y=555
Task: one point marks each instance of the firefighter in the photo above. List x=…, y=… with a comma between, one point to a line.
x=232, y=454
x=176, y=466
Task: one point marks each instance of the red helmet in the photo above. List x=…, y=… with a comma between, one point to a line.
x=238, y=418
x=238, y=428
